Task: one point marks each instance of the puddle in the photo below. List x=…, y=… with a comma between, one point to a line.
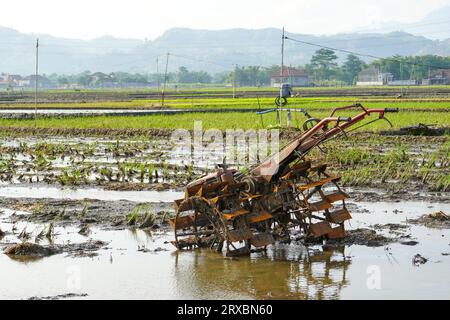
x=121, y=271
x=89, y=193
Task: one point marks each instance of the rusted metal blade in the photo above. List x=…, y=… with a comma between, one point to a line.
x=234, y=214
x=189, y=221
x=299, y=169
x=261, y=240
x=320, y=205
x=184, y=243
x=339, y=216
x=337, y=196
x=239, y=235
x=320, y=228
x=317, y=183
x=337, y=233
x=256, y=196
x=182, y=222
x=258, y=217
x=182, y=207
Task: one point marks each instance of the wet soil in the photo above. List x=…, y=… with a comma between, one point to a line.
x=34, y=250
x=438, y=219
x=61, y=296
x=105, y=214
x=363, y=237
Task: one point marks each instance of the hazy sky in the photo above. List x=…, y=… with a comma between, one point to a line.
x=148, y=19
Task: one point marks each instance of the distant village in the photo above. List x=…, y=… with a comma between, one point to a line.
x=94, y=80
x=297, y=77
x=367, y=77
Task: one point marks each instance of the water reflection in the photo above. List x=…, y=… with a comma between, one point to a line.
x=283, y=272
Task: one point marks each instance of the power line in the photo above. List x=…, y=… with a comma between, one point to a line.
x=202, y=60
x=411, y=26
x=362, y=54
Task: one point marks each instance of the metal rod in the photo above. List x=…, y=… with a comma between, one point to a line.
x=234, y=81
x=36, y=81
x=165, y=80
x=157, y=74
x=280, y=117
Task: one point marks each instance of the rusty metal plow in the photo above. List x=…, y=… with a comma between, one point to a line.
x=231, y=211
x=239, y=221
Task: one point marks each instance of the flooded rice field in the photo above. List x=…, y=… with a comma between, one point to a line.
x=123, y=262
x=87, y=218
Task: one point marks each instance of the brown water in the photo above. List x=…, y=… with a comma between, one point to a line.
x=284, y=271
x=46, y=192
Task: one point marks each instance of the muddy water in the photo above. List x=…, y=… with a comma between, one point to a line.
x=88, y=193
x=284, y=271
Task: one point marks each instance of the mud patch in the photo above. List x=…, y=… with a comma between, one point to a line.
x=33, y=250
x=61, y=296
x=106, y=214
x=437, y=219
x=364, y=237
x=419, y=130
x=417, y=260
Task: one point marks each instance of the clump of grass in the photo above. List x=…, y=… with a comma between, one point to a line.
x=39, y=237
x=142, y=215
x=442, y=183
x=50, y=231
x=83, y=212
x=24, y=236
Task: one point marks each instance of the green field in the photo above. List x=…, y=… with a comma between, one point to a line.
x=229, y=120
x=320, y=103
x=227, y=89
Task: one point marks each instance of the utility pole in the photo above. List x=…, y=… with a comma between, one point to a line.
x=280, y=115
x=36, y=81
x=157, y=73
x=165, y=80
x=234, y=81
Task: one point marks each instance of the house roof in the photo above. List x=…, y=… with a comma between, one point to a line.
x=445, y=73
x=100, y=75
x=33, y=77
x=290, y=72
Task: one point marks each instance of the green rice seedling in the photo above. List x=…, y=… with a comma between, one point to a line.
x=142, y=171
x=151, y=170
x=132, y=218
x=142, y=215
x=24, y=236
x=122, y=166
x=189, y=170
x=37, y=210
x=442, y=183
x=83, y=212
x=40, y=236
x=63, y=178
x=106, y=172
x=165, y=170
x=50, y=233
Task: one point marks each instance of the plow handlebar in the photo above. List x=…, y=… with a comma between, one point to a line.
x=319, y=133
x=391, y=110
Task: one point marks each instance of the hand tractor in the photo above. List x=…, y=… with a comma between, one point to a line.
x=283, y=197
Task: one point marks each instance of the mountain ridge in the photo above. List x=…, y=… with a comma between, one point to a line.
x=208, y=50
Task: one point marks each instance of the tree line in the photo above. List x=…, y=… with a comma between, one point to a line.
x=323, y=69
